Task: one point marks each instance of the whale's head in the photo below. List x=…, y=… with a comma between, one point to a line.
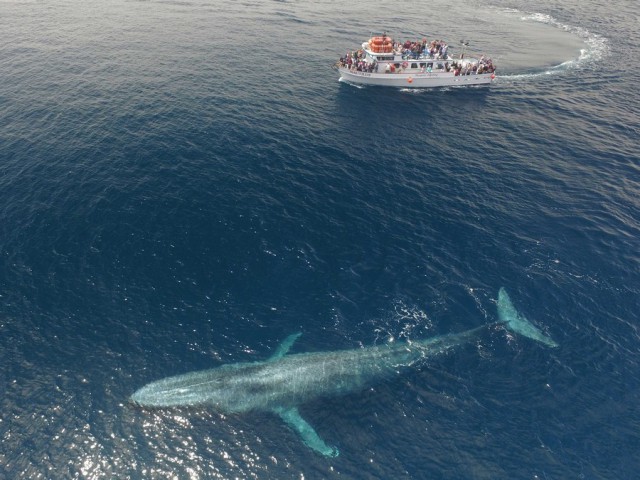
x=195, y=388
x=166, y=394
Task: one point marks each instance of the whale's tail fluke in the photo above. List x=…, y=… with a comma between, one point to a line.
x=517, y=323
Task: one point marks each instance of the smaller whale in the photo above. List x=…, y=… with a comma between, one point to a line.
x=284, y=382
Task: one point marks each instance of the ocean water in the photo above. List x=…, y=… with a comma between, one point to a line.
x=185, y=183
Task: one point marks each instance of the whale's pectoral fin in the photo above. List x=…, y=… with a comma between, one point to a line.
x=285, y=346
x=310, y=437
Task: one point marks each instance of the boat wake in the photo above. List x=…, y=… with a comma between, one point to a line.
x=351, y=83
x=595, y=49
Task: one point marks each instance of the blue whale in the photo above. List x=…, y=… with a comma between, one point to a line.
x=283, y=382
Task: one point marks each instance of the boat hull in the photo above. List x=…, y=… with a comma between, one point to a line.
x=414, y=80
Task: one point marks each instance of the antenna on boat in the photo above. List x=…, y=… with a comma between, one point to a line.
x=465, y=43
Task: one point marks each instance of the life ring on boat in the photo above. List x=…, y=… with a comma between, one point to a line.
x=410, y=79
x=493, y=75
x=405, y=64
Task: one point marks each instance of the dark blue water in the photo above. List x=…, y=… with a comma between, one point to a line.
x=184, y=184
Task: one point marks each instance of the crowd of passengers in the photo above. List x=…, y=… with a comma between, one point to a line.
x=484, y=65
x=356, y=63
x=437, y=49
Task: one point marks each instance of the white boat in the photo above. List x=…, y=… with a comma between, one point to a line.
x=384, y=62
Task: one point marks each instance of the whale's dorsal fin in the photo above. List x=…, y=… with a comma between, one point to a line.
x=285, y=346
x=309, y=436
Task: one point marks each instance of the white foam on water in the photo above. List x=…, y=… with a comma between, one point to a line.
x=596, y=46
x=357, y=85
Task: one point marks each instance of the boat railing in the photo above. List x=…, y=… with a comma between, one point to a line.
x=422, y=56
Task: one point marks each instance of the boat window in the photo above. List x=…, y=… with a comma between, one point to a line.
x=430, y=65
x=423, y=64
x=397, y=65
x=440, y=66
x=414, y=65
